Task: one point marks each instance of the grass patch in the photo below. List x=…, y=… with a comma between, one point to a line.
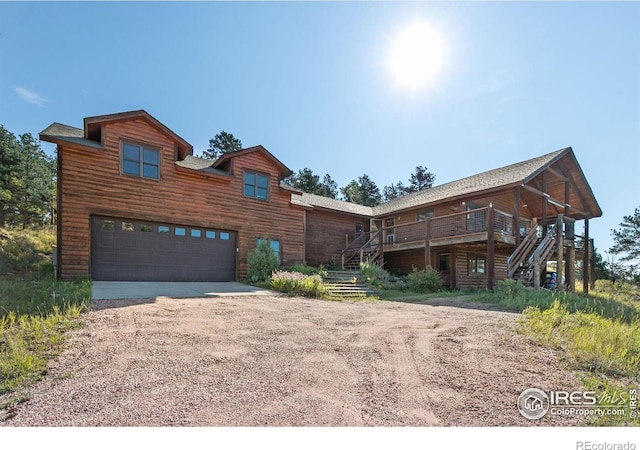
x=622, y=304
x=599, y=333
x=410, y=296
x=35, y=309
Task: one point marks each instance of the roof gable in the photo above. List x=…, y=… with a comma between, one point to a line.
x=511, y=175
x=227, y=157
x=91, y=124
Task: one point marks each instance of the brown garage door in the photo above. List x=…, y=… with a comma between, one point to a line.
x=133, y=250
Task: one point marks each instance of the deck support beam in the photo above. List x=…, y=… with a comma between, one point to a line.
x=427, y=244
x=586, y=262
x=560, y=251
x=516, y=215
x=570, y=267
x=491, y=248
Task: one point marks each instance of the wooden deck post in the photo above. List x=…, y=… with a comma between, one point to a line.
x=545, y=204
x=516, y=215
x=586, y=261
x=560, y=252
x=427, y=246
x=491, y=248
x=381, y=244
x=570, y=269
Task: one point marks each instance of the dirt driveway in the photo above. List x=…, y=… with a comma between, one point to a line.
x=278, y=361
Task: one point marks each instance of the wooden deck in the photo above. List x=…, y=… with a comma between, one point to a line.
x=459, y=228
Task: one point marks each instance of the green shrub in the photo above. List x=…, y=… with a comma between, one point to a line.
x=427, y=280
x=261, y=262
x=372, y=273
x=308, y=270
x=296, y=283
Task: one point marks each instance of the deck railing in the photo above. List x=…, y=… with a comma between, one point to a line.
x=452, y=225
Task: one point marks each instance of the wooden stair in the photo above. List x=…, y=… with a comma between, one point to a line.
x=346, y=284
x=527, y=260
x=360, y=251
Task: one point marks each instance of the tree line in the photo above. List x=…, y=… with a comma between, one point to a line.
x=27, y=181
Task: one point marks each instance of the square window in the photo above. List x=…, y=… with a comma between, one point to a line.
x=140, y=161
x=180, y=231
x=255, y=185
x=422, y=215
x=196, y=233
x=210, y=234
x=127, y=226
x=224, y=236
x=163, y=229
x=477, y=264
x=108, y=225
x=146, y=228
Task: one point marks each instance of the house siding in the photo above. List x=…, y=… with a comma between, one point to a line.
x=92, y=184
x=326, y=235
x=466, y=280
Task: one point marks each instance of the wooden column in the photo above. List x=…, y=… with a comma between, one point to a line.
x=570, y=269
x=570, y=266
x=381, y=244
x=491, y=249
x=545, y=203
x=560, y=251
x=586, y=261
x=516, y=215
x=427, y=245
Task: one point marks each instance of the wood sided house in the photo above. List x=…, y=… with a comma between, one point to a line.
x=135, y=204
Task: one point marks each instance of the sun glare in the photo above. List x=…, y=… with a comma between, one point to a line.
x=417, y=55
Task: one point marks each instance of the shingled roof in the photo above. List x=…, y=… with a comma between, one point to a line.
x=60, y=132
x=497, y=178
x=200, y=164
x=336, y=205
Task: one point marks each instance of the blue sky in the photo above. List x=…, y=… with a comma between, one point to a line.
x=310, y=82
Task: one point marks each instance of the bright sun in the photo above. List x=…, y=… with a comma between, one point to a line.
x=417, y=55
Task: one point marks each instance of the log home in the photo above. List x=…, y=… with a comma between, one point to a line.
x=135, y=204
x=504, y=223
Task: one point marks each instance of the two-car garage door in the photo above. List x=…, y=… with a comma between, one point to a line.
x=133, y=250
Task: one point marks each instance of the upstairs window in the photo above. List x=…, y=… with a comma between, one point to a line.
x=140, y=161
x=256, y=185
x=423, y=214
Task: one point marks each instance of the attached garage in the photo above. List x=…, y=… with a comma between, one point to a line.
x=134, y=250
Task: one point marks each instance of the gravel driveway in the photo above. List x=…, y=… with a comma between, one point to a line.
x=278, y=361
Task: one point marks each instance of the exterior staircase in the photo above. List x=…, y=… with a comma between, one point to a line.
x=346, y=284
x=361, y=250
x=528, y=259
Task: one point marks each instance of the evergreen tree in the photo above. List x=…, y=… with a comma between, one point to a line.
x=626, y=239
x=221, y=144
x=363, y=192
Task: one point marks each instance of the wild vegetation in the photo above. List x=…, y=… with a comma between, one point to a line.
x=598, y=334
x=36, y=311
